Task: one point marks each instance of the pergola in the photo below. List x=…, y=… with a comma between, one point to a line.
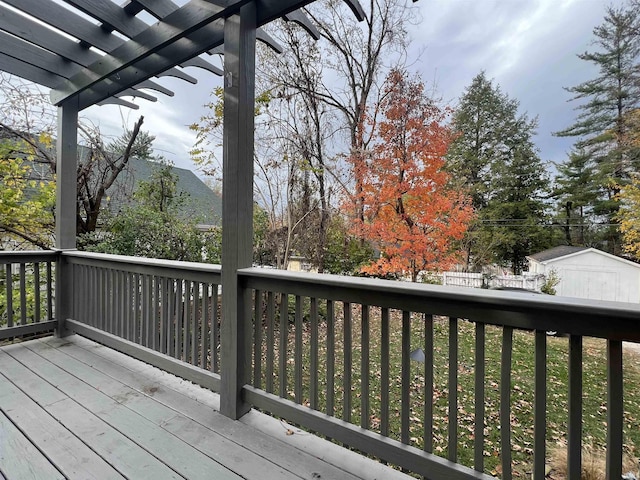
x=93, y=52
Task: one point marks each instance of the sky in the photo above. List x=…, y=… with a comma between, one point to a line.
x=528, y=47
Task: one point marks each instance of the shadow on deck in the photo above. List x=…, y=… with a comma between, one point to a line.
x=71, y=408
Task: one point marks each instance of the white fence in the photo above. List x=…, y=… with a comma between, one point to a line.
x=480, y=280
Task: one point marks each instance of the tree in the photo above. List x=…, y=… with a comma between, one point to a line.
x=26, y=201
x=604, y=122
x=629, y=217
x=494, y=159
x=514, y=218
x=576, y=194
x=345, y=254
x=28, y=121
x=410, y=212
x=152, y=227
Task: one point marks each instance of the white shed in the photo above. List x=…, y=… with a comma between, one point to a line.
x=589, y=273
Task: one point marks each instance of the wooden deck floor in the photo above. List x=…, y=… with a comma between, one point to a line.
x=73, y=409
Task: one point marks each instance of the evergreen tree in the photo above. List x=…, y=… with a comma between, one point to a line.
x=576, y=192
x=494, y=159
x=514, y=218
x=603, y=125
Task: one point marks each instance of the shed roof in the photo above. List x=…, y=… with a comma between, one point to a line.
x=556, y=252
x=553, y=254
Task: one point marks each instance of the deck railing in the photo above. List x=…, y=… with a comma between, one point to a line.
x=165, y=307
x=422, y=377
x=27, y=293
x=313, y=363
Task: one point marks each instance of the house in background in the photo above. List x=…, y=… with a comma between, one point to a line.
x=202, y=203
x=589, y=273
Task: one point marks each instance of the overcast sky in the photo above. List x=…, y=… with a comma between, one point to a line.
x=528, y=47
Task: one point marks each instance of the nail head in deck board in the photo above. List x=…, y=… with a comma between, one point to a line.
x=19, y=458
x=164, y=446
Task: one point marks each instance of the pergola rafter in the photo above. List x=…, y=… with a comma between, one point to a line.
x=98, y=51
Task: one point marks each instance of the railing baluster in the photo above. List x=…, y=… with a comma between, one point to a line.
x=129, y=306
x=155, y=317
x=505, y=401
x=298, y=350
x=574, y=434
x=271, y=314
x=102, y=298
x=428, y=383
x=195, y=323
x=164, y=315
x=204, y=329
x=615, y=408
x=36, y=291
x=23, y=294
x=478, y=442
x=136, y=315
x=348, y=362
x=540, y=406
x=384, y=372
x=187, y=321
x=9, y=290
x=364, y=368
x=313, y=364
x=214, y=329
x=452, y=445
x=171, y=316
x=50, y=312
x=179, y=320
x=146, y=309
x=331, y=357
x=122, y=304
x=284, y=333
x=122, y=280
x=405, y=375
x=110, y=292
x=76, y=281
x=110, y=313
x=92, y=287
x=257, y=339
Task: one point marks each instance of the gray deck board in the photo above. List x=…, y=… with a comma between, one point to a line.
x=257, y=445
x=119, y=451
x=19, y=458
x=89, y=412
x=203, y=439
x=178, y=455
x=71, y=456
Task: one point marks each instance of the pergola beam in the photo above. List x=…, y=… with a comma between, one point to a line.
x=169, y=48
x=77, y=27
x=155, y=39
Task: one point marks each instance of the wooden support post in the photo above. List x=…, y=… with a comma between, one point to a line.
x=237, y=205
x=66, y=195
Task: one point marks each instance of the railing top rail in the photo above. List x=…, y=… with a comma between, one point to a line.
x=91, y=258
x=614, y=320
x=28, y=256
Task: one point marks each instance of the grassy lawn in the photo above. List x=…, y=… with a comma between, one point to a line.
x=522, y=378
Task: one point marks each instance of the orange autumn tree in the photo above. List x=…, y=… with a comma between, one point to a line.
x=411, y=213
